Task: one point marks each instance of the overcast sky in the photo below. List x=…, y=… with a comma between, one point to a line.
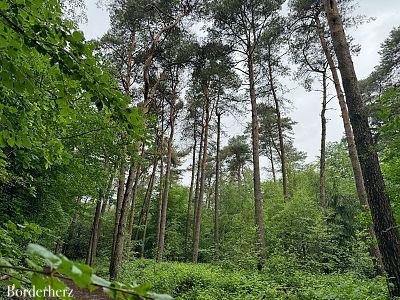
x=306, y=105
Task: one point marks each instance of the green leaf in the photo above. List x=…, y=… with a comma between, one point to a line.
x=79, y=273
x=4, y=5
x=11, y=141
x=77, y=36
x=5, y=262
x=100, y=281
x=159, y=296
x=42, y=252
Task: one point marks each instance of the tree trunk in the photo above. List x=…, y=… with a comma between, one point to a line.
x=384, y=222
x=358, y=177
x=271, y=158
x=322, y=192
x=133, y=201
x=209, y=191
x=258, y=201
x=134, y=191
x=93, y=232
x=192, y=181
x=120, y=196
x=141, y=216
x=217, y=188
x=161, y=177
x=100, y=209
x=149, y=189
x=198, y=174
x=197, y=220
x=163, y=220
x=130, y=191
x=147, y=201
x=280, y=131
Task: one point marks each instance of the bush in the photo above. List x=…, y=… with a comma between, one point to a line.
x=205, y=281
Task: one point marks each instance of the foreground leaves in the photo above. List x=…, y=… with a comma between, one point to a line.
x=55, y=270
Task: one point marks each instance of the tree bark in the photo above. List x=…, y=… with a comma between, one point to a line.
x=198, y=174
x=197, y=220
x=133, y=201
x=322, y=190
x=385, y=225
x=258, y=201
x=100, y=209
x=192, y=182
x=147, y=201
x=217, y=187
x=129, y=197
x=268, y=132
x=209, y=191
x=161, y=177
x=93, y=233
x=355, y=163
x=271, y=158
x=149, y=189
x=120, y=226
x=120, y=195
x=163, y=219
x=280, y=130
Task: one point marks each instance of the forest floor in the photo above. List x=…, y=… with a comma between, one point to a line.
x=207, y=282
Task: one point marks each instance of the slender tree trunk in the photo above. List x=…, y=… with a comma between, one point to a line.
x=134, y=192
x=147, y=201
x=209, y=192
x=118, y=231
x=271, y=158
x=358, y=177
x=143, y=208
x=280, y=131
x=198, y=175
x=121, y=182
x=93, y=233
x=385, y=225
x=192, y=182
x=96, y=234
x=161, y=177
x=129, y=195
x=164, y=206
x=258, y=201
x=100, y=210
x=217, y=188
x=197, y=220
x=268, y=131
x=133, y=201
x=141, y=216
x=322, y=192
x=120, y=196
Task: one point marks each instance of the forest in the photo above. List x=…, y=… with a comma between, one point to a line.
x=122, y=176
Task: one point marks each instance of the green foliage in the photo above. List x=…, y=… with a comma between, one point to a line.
x=46, y=269
x=15, y=237
x=189, y=281
x=47, y=66
x=64, y=121
x=236, y=154
x=389, y=107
